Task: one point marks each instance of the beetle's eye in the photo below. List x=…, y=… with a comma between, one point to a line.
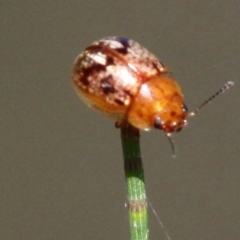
x=158, y=123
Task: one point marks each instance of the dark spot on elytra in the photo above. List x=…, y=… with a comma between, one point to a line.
x=98, y=67
x=90, y=70
x=121, y=50
x=110, y=61
x=107, y=85
x=84, y=80
x=173, y=113
x=123, y=41
x=84, y=76
x=156, y=67
x=119, y=102
x=94, y=48
x=93, y=68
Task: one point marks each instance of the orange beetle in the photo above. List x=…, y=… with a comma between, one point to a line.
x=121, y=78
x=124, y=80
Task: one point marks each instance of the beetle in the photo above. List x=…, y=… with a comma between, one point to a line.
x=122, y=79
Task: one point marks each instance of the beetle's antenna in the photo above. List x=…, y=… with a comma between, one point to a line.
x=169, y=137
x=223, y=89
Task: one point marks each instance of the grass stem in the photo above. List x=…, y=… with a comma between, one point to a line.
x=134, y=174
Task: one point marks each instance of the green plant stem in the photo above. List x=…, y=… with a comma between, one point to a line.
x=134, y=174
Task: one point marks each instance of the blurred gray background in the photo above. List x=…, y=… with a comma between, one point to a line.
x=61, y=167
